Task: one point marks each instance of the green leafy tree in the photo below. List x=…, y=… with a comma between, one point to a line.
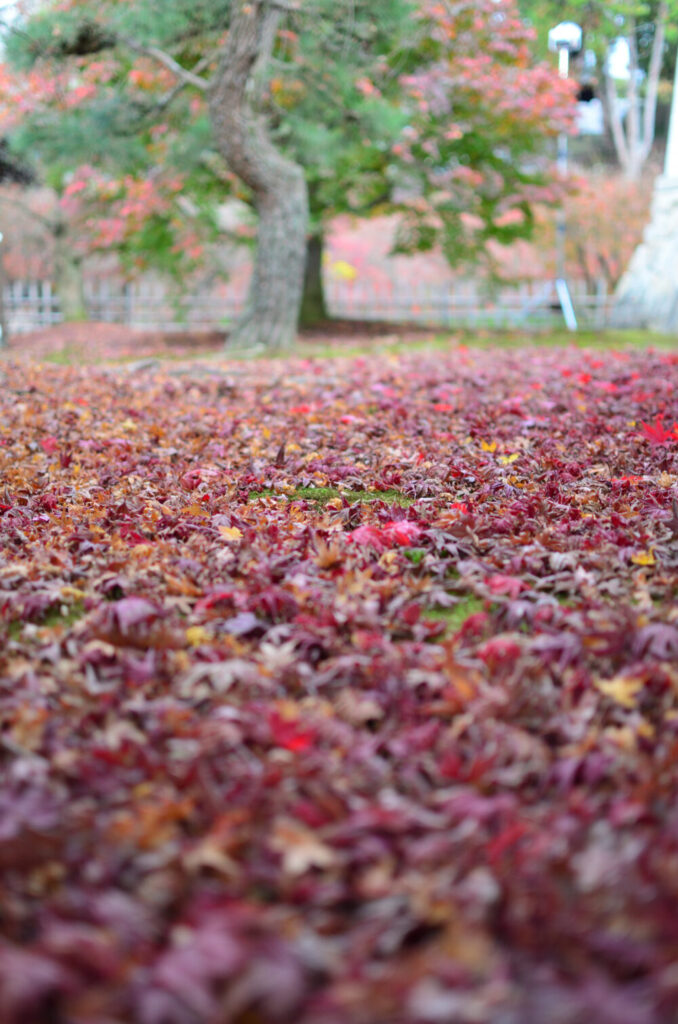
x=149, y=114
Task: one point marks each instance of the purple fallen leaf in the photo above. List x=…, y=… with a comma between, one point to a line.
x=242, y=624
x=134, y=611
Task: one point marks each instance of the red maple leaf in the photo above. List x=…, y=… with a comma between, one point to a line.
x=657, y=433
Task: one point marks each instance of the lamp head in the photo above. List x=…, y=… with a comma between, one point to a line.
x=566, y=36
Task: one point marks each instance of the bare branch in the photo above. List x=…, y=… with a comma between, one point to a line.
x=186, y=76
x=261, y=64
x=172, y=93
x=653, y=74
x=616, y=126
x=633, y=139
x=13, y=29
x=45, y=222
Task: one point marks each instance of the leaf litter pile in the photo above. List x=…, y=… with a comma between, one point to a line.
x=340, y=691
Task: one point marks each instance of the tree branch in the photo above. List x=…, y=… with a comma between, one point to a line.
x=633, y=139
x=186, y=76
x=17, y=204
x=653, y=74
x=172, y=93
x=616, y=127
x=267, y=42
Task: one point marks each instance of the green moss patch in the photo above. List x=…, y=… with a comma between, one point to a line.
x=455, y=617
x=322, y=495
x=53, y=618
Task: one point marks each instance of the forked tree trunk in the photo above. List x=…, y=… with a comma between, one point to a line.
x=313, y=306
x=278, y=184
x=633, y=136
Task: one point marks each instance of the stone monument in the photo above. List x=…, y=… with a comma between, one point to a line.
x=647, y=295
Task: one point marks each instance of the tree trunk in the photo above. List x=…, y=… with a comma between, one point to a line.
x=633, y=141
x=278, y=184
x=4, y=324
x=615, y=122
x=68, y=280
x=313, y=307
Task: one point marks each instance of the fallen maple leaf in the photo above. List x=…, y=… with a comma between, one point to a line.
x=622, y=690
x=197, y=635
x=49, y=445
x=657, y=433
x=643, y=558
x=511, y=585
x=300, y=849
x=371, y=536
x=402, y=533
x=289, y=733
x=133, y=611
x=230, y=532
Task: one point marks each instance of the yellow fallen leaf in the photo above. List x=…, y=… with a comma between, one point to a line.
x=129, y=424
x=506, y=460
x=623, y=690
x=195, y=509
x=230, y=532
x=488, y=447
x=344, y=271
x=197, y=635
x=643, y=558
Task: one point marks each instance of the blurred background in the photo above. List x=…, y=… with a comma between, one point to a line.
x=427, y=134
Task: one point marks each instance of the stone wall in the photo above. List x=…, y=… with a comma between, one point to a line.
x=647, y=295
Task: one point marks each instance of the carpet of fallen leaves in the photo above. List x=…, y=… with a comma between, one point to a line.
x=340, y=691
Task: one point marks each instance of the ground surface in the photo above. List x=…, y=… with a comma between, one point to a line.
x=96, y=343
x=340, y=691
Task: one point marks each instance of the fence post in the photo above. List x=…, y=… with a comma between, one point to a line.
x=601, y=302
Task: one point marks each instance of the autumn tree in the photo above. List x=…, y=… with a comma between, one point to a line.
x=430, y=109
x=599, y=243
x=11, y=173
x=120, y=182
x=630, y=107
x=34, y=219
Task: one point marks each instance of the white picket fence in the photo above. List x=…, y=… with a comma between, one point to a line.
x=465, y=303
x=148, y=303
x=30, y=305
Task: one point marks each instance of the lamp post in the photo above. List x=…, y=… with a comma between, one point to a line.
x=565, y=39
